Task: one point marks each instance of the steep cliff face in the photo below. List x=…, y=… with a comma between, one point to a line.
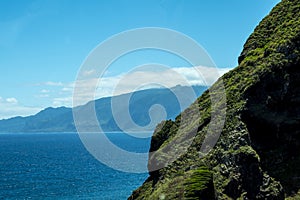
x=258, y=153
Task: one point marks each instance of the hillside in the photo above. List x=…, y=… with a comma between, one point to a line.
x=61, y=119
x=258, y=153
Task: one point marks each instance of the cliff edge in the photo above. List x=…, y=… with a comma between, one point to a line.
x=258, y=153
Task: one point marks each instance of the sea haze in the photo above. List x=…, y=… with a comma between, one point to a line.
x=57, y=166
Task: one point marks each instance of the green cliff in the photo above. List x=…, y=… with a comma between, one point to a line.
x=258, y=153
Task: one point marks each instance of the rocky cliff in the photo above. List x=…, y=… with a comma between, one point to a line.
x=258, y=153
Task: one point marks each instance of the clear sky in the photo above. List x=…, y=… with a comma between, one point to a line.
x=44, y=42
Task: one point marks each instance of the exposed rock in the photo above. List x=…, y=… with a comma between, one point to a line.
x=258, y=153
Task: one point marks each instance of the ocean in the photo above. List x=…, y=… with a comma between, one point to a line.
x=57, y=166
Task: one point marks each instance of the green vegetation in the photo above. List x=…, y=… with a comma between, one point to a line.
x=257, y=155
x=198, y=184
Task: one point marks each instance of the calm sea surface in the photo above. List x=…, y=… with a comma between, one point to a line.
x=57, y=166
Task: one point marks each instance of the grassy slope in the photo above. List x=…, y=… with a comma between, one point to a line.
x=236, y=167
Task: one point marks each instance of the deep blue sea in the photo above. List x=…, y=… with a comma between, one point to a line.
x=57, y=166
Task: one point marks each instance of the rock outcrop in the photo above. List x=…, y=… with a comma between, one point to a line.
x=258, y=153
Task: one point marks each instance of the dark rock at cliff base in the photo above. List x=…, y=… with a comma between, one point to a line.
x=257, y=155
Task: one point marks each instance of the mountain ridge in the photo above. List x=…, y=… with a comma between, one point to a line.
x=61, y=119
x=257, y=154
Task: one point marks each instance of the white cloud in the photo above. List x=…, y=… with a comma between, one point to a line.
x=67, y=89
x=11, y=100
x=62, y=101
x=89, y=72
x=202, y=75
x=137, y=80
x=43, y=95
x=185, y=76
x=45, y=91
x=93, y=88
x=50, y=83
x=10, y=108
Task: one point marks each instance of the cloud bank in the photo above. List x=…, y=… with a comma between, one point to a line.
x=10, y=107
x=61, y=94
x=137, y=80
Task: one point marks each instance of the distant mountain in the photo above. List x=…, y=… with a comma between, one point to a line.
x=61, y=119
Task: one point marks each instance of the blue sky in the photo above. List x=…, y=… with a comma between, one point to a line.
x=44, y=42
